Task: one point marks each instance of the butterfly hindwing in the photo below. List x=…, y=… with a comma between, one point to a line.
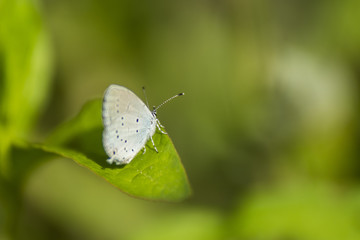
x=128, y=124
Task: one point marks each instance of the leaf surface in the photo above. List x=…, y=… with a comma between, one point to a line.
x=154, y=176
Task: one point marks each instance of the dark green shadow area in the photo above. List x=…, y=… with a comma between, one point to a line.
x=24, y=159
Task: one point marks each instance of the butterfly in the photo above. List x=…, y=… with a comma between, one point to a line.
x=128, y=124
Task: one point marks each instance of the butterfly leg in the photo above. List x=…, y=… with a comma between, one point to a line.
x=144, y=149
x=154, y=144
x=159, y=126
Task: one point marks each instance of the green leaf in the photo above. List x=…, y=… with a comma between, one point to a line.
x=154, y=176
x=25, y=70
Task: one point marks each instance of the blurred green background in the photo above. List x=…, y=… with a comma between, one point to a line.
x=268, y=130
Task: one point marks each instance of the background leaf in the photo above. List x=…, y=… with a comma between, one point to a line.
x=25, y=70
x=155, y=176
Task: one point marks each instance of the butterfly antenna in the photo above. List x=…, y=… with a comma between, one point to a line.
x=147, y=103
x=177, y=95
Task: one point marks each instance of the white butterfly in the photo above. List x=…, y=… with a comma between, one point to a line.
x=128, y=124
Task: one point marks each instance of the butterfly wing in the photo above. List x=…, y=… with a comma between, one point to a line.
x=128, y=124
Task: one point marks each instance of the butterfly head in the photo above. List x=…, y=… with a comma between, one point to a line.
x=154, y=112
